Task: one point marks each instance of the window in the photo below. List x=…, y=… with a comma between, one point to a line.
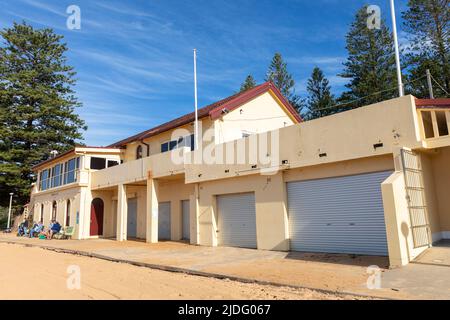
x=164, y=147
x=112, y=163
x=98, y=163
x=68, y=213
x=187, y=141
x=173, y=144
x=70, y=168
x=57, y=175
x=60, y=174
x=139, y=152
x=44, y=179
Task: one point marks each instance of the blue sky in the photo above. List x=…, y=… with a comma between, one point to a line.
x=134, y=58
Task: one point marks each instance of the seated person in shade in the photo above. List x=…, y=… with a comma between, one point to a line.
x=37, y=229
x=55, y=228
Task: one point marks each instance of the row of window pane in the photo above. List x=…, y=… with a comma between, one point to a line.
x=187, y=141
x=60, y=174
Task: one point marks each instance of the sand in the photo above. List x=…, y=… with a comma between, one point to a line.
x=34, y=273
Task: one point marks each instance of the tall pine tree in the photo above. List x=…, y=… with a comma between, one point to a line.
x=320, y=98
x=370, y=65
x=428, y=23
x=248, y=83
x=280, y=76
x=37, y=105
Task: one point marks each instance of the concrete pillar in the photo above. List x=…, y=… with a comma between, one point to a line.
x=122, y=208
x=151, y=229
x=176, y=220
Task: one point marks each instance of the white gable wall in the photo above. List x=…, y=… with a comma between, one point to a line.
x=259, y=115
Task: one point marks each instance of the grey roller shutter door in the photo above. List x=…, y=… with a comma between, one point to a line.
x=132, y=218
x=338, y=215
x=164, y=221
x=186, y=219
x=237, y=220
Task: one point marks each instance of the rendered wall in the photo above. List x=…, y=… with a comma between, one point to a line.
x=440, y=164
x=270, y=197
x=261, y=114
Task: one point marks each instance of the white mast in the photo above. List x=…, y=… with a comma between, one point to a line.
x=397, y=51
x=195, y=98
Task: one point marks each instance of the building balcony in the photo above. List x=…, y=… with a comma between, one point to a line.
x=158, y=166
x=434, y=126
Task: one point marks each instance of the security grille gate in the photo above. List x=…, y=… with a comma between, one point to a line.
x=415, y=195
x=237, y=220
x=164, y=221
x=338, y=215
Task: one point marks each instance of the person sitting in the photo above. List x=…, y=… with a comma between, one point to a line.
x=55, y=228
x=22, y=230
x=37, y=229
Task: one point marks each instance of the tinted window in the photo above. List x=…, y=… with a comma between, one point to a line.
x=172, y=145
x=98, y=163
x=112, y=163
x=165, y=147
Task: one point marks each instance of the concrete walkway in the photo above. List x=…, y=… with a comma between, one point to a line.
x=328, y=272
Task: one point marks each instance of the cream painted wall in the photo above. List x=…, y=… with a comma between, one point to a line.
x=61, y=197
x=270, y=197
x=261, y=114
x=430, y=193
x=341, y=137
x=176, y=191
x=440, y=165
x=156, y=141
x=398, y=226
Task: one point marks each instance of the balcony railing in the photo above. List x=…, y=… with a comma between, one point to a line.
x=159, y=165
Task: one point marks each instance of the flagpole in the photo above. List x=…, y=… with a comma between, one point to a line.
x=397, y=51
x=196, y=102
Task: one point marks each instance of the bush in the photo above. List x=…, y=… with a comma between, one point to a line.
x=3, y=217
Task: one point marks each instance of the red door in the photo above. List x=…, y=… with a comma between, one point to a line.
x=97, y=217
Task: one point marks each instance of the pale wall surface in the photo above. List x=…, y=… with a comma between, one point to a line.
x=440, y=162
x=261, y=114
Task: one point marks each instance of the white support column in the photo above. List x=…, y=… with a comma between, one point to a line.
x=121, y=232
x=151, y=228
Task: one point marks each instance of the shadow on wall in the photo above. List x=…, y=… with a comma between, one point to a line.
x=339, y=258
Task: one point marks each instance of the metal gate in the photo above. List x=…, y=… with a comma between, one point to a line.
x=415, y=195
x=164, y=221
x=132, y=218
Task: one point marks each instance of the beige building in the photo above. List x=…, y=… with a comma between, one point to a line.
x=365, y=181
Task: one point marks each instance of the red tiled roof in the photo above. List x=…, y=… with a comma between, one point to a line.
x=433, y=103
x=214, y=111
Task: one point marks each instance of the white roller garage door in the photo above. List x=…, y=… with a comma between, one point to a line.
x=338, y=215
x=237, y=220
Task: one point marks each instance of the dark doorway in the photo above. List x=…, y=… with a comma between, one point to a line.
x=96, y=217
